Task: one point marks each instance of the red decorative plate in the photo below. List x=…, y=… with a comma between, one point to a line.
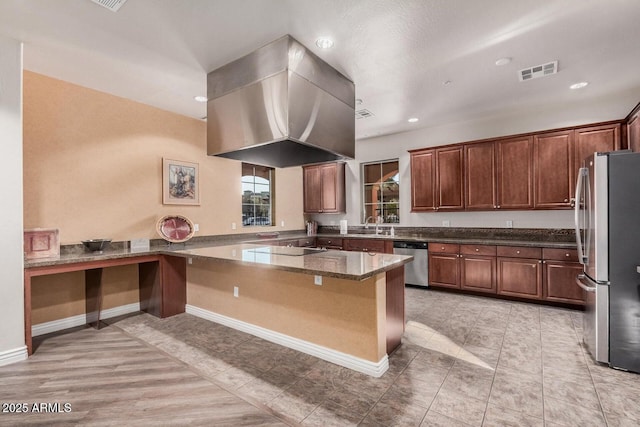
x=175, y=228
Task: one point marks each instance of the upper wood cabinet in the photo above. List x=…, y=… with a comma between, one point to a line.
x=423, y=177
x=514, y=168
x=532, y=171
x=480, y=176
x=588, y=140
x=324, y=188
x=499, y=174
x=437, y=180
x=553, y=169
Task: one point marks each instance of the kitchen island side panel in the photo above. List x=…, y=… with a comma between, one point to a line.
x=343, y=315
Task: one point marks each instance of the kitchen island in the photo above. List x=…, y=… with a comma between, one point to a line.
x=344, y=307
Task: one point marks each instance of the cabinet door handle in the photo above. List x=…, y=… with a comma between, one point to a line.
x=498, y=206
x=566, y=200
x=567, y=254
x=477, y=250
x=517, y=252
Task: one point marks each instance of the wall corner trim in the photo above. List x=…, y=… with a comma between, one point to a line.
x=12, y=356
x=374, y=369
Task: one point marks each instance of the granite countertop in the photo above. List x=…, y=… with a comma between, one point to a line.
x=330, y=263
x=548, y=238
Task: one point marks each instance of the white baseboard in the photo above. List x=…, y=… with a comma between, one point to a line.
x=81, y=319
x=12, y=356
x=375, y=369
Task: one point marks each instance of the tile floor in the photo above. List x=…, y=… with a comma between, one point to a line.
x=464, y=361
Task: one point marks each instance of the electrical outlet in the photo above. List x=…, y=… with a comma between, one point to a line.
x=509, y=224
x=233, y=225
x=190, y=260
x=236, y=291
x=446, y=223
x=196, y=227
x=282, y=223
x=317, y=280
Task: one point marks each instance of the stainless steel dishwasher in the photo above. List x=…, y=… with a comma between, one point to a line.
x=415, y=273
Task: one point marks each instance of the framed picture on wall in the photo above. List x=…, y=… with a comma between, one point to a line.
x=180, y=183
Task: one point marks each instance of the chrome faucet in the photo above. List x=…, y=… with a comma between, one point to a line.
x=377, y=222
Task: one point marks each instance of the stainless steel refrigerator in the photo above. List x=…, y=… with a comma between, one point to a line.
x=607, y=216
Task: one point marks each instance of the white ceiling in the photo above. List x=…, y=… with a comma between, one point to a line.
x=397, y=52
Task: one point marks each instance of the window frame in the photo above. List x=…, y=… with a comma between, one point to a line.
x=381, y=203
x=246, y=220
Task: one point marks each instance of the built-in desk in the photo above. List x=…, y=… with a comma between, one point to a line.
x=162, y=280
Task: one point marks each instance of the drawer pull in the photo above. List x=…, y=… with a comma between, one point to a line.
x=567, y=255
x=517, y=252
x=442, y=248
x=477, y=250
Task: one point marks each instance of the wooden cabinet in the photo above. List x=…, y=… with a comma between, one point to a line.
x=561, y=267
x=480, y=176
x=437, y=180
x=478, y=268
x=499, y=174
x=519, y=272
x=531, y=171
x=329, y=243
x=444, y=265
x=368, y=245
x=514, y=173
x=553, y=169
x=324, y=188
x=588, y=140
x=633, y=132
x=524, y=272
x=423, y=176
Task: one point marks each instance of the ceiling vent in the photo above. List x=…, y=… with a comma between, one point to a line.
x=538, y=71
x=112, y=5
x=363, y=114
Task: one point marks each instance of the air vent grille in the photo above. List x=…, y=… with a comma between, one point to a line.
x=538, y=71
x=363, y=114
x=112, y=5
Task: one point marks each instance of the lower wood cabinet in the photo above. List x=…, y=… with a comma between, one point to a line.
x=520, y=277
x=444, y=265
x=329, y=243
x=368, y=245
x=513, y=271
x=560, y=268
x=478, y=268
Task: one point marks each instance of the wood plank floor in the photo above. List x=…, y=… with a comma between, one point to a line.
x=108, y=378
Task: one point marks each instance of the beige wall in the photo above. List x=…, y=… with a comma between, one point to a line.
x=93, y=169
x=344, y=315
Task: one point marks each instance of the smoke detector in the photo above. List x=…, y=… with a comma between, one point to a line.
x=538, y=71
x=363, y=114
x=112, y=5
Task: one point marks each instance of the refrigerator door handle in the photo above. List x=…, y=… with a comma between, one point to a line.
x=576, y=210
x=582, y=285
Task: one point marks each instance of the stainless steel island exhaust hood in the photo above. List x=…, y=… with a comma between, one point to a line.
x=280, y=106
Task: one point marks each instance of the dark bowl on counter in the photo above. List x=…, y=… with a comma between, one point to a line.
x=96, y=245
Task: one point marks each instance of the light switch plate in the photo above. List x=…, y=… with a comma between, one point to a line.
x=139, y=245
x=317, y=280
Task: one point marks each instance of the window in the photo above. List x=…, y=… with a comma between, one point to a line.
x=381, y=191
x=257, y=196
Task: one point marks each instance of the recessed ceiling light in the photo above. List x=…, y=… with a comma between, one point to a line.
x=579, y=85
x=447, y=82
x=200, y=98
x=324, y=42
x=413, y=120
x=502, y=61
x=358, y=101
